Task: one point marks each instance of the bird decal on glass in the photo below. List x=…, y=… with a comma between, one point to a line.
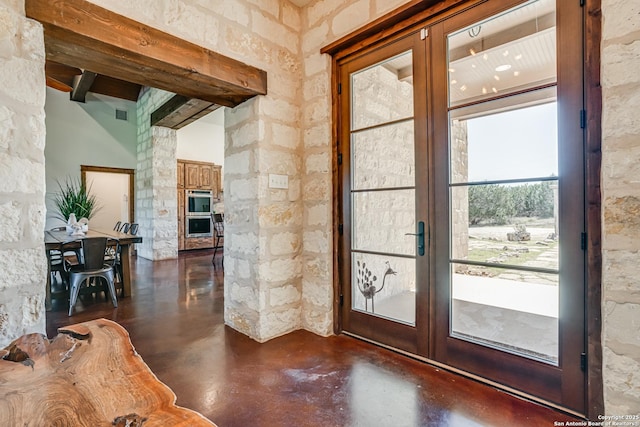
x=366, y=283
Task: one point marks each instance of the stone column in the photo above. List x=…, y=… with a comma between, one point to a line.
x=621, y=207
x=23, y=268
x=156, y=181
x=460, y=196
x=262, y=224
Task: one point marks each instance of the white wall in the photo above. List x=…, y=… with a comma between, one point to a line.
x=203, y=140
x=85, y=134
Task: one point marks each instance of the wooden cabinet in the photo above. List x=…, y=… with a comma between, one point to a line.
x=201, y=176
x=206, y=176
x=216, y=180
x=181, y=222
x=180, y=174
x=194, y=175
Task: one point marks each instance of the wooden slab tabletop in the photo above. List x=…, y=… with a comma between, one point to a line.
x=88, y=375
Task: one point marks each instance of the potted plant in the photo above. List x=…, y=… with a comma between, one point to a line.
x=73, y=197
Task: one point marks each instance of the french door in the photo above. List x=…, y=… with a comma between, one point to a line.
x=462, y=209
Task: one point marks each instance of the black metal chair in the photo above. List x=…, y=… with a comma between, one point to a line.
x=125, y=228
x=56, y=260
x=117, y=226
x=93, y=266
x=218, y=234
x=133, y=230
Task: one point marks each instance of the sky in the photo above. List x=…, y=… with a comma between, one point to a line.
x=514, y=144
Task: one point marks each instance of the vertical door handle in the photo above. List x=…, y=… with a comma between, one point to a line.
x=420, y=236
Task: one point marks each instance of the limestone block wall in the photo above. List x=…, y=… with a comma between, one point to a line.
x=156, y=181
x=323, y=21
x=263, y=231
x=621, y=206
x=23, y=269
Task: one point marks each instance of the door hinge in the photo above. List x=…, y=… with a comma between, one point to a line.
x=340, y=229
x=339, y=88
x=583, y=241
x=581, y=3
x=339, y=158
x=424, y=33
x=583, y=119
x=583, y=362
x=341, y=300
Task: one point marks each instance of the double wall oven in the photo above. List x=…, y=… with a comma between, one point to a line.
x=198, y=213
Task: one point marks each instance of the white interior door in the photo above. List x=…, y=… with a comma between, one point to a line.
x=112, y=194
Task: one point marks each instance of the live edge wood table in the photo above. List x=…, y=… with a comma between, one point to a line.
x=88, y=375
x=54, y=240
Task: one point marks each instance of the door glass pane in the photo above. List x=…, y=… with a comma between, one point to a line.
x=509, y=52
x=516, y=311
x=381, y=220
x=514, y=144
x=384, y=286
x=510, y=225
x=382, y=93
x=504, y=184
x=386, y=148
x=383, y=206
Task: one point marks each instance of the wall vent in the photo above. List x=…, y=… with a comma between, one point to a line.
x=121, y=114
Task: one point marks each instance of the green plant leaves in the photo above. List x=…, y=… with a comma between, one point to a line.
x=74, y=197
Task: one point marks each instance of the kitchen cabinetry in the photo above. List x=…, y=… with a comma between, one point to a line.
x=202, y=176
x=181, y=223
x=180, y=174
x=193, y=175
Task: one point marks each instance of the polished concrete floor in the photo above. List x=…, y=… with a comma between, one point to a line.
x=175, y=319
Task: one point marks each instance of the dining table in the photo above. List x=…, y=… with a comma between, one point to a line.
x=55, y=239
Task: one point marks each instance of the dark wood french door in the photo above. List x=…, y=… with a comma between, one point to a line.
x=462, y=183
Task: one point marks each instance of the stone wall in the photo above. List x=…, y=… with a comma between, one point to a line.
x=23, y=269
x=323, y=21
x=156, y=181
x=263, y=230
x=621, y=206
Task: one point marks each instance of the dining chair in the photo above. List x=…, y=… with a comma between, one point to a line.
x=117, y=226
x=94, y=266
x=133, y=230
x=125, y=227
x=55, y=258
x=67, y=254
x=218, y=234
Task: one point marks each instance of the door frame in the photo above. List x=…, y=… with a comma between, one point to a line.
x=428, y=11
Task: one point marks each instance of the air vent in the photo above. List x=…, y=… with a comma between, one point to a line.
x=121, y=114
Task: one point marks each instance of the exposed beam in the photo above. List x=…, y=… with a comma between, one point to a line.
x=81, y=85
x=116, y=88
x=61, y=73
x=179, y=111
x=81, y=34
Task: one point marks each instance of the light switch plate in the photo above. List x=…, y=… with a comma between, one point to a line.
x=278, y=181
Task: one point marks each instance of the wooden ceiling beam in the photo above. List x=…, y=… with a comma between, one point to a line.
x=81, y=34
x=179, y=111
x=116, y=88
x=81, y=85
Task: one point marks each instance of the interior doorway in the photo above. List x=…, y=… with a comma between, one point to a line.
x=114, y=191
